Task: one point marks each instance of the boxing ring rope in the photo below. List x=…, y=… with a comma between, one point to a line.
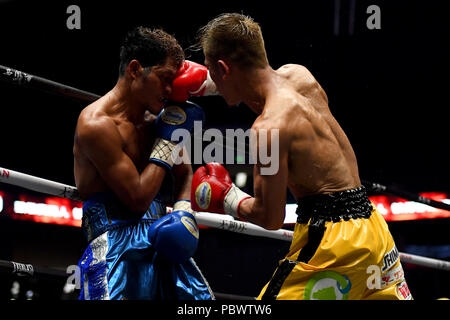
x=29, y=271
x=38, y=184
x=376, y=187
x=218, y=221
x=31, y=81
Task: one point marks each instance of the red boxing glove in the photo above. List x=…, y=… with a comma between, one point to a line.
x=192, y=80
x=213, y=191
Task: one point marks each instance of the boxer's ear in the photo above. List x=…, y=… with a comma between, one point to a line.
x=224, y=69
x=134, y=69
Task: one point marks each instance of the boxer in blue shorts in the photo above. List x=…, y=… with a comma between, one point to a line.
x=122, y=155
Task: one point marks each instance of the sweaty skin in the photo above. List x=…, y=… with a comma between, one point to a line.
x=113, y=141
x=128, y=140
x=321, y=158
x=315, y=155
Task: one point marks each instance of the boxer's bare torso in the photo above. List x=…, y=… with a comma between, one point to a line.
x=133, y=138
x=113, y=140
x=320, y=156
x=315, y=156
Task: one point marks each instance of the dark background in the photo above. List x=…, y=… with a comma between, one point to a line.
x=387, y=88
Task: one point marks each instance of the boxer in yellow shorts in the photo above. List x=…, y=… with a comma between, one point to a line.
x=338, y=255
x=342, y=248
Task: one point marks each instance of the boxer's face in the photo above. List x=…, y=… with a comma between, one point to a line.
x=154, y=85
x=161, y=78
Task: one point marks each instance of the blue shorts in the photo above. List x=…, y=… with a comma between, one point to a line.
x=120, y=262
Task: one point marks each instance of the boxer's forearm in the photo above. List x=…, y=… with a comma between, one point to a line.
x=255, y=212
x=139, y=195
x=183, y=180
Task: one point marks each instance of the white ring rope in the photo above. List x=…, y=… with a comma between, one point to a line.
x=218, y=221
x=226, y=222
x=38, y=184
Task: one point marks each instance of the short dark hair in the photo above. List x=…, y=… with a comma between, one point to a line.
x=236, y=37
x=150, y=47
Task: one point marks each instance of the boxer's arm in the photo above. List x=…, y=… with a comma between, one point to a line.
x=267, y=207
x=182, y=179
x=102, y=143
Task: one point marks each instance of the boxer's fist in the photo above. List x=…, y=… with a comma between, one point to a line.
x=213, y=191
x=192, y=80
x=175, y=235
x=175, y=115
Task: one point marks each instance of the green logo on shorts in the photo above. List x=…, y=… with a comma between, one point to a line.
x=327, y=285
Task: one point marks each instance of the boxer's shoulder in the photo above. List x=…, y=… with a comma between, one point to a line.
x=94, y=123
x=288, y=111
x=295, y=72
x=300, y=79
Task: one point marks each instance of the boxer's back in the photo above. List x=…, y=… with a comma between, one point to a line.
x=321, y=158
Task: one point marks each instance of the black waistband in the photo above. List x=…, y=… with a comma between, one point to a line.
x=348, y=204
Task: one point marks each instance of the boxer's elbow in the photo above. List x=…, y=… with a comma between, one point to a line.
x=268, y=215
x=270, y=219
x=140, y=206
x=272, y=224
x=138, y=203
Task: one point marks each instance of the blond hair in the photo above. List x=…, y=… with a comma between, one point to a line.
x=234, y=37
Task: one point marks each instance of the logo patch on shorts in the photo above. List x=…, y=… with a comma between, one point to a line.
x=402, y=291
x=173, y=115
x=327, y=285
x=190, y=225
x=394, y=275
x=390, y=259
x=203, y=195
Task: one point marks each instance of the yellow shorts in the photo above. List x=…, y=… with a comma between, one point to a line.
x=354, y=259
